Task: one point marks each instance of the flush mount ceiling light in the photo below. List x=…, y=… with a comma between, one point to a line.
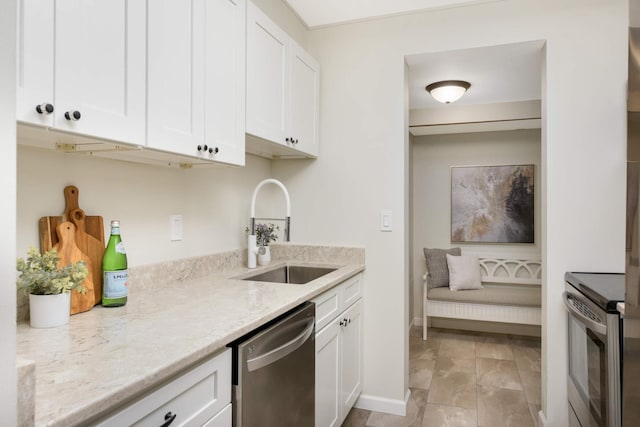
x=448, y=91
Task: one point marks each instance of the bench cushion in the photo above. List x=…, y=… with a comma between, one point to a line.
x=523, y=296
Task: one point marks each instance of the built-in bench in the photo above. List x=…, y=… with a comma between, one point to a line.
x=511, y=293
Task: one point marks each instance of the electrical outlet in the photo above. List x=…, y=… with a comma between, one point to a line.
x=175, y=227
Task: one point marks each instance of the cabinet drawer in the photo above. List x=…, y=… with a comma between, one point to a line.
x=193, y=397
x=327, y=307
x=351, y=291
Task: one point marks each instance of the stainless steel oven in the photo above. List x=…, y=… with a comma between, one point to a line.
x=594, y=385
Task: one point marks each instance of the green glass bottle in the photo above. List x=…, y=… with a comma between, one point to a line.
x=114, y=270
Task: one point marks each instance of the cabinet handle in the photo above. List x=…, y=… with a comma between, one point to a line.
x=45, y=108
x=168, y=419
x=344, y=322
x=213, y=150
x=72, y=115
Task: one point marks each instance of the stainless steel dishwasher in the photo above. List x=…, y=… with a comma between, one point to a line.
x=274, y=372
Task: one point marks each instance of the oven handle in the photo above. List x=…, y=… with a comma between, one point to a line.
x=590, y=323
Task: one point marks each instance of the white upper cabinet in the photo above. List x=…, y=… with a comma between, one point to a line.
x=282, y=87
x=305, y=87
x=97, y=85
x=176, y=75
x=267, y=74
x=196, y=78
x=35, y=62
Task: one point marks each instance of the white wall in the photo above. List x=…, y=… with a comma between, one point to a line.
x=361, y=167
x=214, y=203
x=8, y=390
x=432, y=159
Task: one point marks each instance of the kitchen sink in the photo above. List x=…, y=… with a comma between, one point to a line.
x=293, y=274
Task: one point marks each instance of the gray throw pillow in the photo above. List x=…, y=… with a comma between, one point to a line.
x=437, y=269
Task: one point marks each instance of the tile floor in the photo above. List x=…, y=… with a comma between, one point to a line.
x=461, y=378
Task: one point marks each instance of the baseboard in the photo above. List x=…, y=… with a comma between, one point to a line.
x=542, y=418
x=384, y=405
x=485, y=326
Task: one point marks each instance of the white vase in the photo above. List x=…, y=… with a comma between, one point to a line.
x=264, y=259
x=49, y=311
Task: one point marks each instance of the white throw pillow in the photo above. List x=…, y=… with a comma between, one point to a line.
x=464, y=272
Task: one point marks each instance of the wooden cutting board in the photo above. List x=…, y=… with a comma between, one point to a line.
x=70, y=254
x=94, y=225
x=91, y=247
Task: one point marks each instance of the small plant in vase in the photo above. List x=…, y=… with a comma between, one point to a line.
x=265, y=234
x=49, y=286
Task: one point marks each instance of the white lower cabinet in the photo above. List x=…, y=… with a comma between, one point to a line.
x=327, y=376
x=199, y=397
x=222, y=419
x=338, y=351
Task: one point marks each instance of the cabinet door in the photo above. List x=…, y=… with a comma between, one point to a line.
x=305, y=86
x=328, y=376
x=351, y=385
x=35, y=60
x=176, y=53
x=268, y=69
x=100, y=67
x=222, y=418
x=225, y=82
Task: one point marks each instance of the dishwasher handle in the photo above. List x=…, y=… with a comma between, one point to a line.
x=580, y=315
x=284, y=350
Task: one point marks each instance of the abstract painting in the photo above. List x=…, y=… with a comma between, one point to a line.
x=492, y=204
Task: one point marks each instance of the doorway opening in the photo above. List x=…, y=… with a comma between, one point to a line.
x=497, y=122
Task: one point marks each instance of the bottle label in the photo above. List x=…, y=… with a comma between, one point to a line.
x=115, y=284
x=120, y=248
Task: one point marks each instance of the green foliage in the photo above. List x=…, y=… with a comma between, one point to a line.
x=265, y=234
x=40, y=275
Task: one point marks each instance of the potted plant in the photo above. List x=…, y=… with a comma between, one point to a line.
x=49, y=286
x=265, y=234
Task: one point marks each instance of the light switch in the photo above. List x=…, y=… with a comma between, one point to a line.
x=386, y=220
x=175, y=225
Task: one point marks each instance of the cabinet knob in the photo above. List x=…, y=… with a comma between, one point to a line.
x=344, y=322
x=45, y=108
x=213, y=150
x=296, y=141
x=199, y=147
x=72, y=115
x=168, y=419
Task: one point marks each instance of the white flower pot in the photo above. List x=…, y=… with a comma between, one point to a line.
x=266, y=258
x=49, y=311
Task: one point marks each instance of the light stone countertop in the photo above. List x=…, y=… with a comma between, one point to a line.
x=108, y=356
